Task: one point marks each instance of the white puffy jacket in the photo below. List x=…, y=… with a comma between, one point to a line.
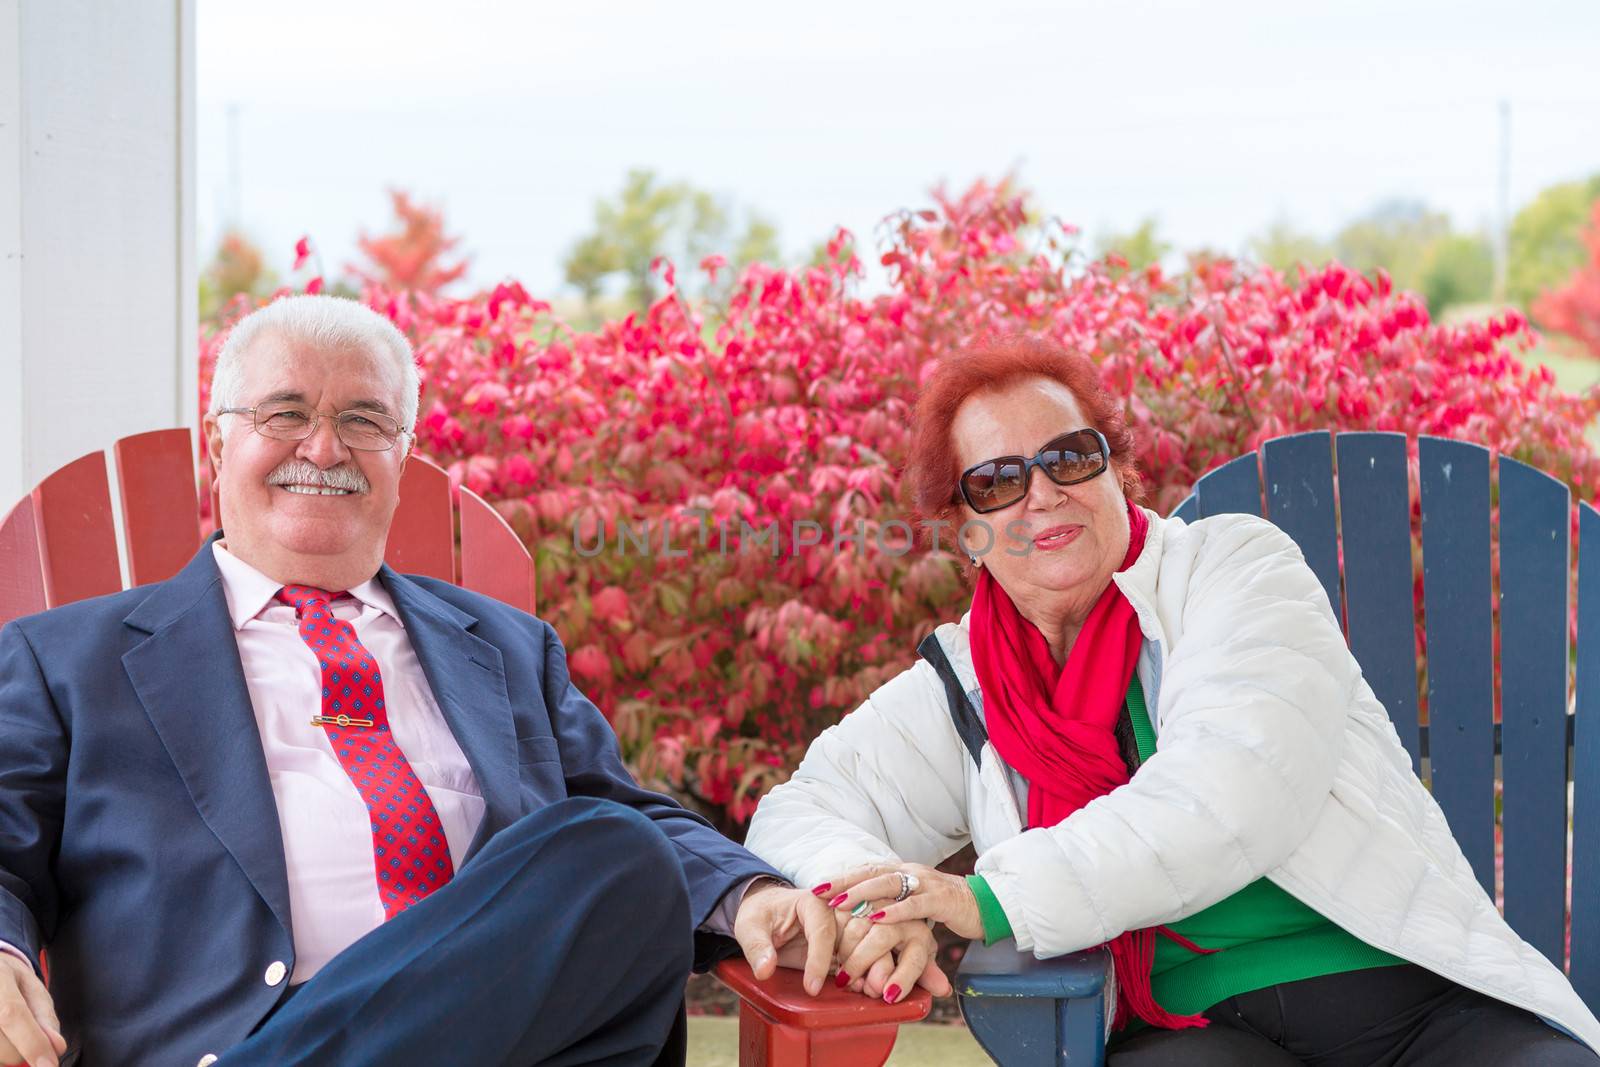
x=1273, y=757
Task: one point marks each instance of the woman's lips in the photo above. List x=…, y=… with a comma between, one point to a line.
x=1056, y=537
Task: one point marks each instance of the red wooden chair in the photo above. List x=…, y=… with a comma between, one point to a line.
x=61, y=543
x=65, y=542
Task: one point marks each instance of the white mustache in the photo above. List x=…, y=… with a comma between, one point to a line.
x=299, y=472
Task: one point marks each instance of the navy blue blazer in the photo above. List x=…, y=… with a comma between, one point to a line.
x=139, y=838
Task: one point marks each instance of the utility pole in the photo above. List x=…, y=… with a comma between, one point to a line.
x=1502, y=237
x=234, y=211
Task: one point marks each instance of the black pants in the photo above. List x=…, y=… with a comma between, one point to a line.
x=1401, y=1016
x=566, y=941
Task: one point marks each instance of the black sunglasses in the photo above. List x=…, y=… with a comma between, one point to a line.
x=1066, y=460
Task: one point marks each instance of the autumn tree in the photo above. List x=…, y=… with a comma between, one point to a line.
x=415, y=254
x=1573, y=308
x=236, y=267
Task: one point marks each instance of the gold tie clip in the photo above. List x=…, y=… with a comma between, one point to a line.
x=338, y=720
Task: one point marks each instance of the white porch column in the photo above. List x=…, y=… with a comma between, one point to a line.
x=97, y=263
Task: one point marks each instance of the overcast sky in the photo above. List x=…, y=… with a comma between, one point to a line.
x=1216, y=118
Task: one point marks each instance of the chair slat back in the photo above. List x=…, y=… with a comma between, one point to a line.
x=493, y=560
x=1234, y=487
x=1380, y=612
x=160, y=504
x=1189, y=510
x=1535, y=575
x=77, y=533
x=1364, y=544
x=422, y=537
x=1298, y=471
x=1460, y=642
x=21, y=576
x=1586, y=766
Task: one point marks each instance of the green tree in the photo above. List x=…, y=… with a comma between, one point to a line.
x=1141, y=246
x=1283, y=248
x=1545, y=243
x=1396, y=235
x=1458, y=269
x=650, y=218
x=757, y=244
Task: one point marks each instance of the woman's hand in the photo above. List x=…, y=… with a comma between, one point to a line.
x=944, y=898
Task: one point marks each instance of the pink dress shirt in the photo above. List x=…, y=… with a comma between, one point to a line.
x=327, y=836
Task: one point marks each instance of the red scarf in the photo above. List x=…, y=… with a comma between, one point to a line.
x=1057, y=728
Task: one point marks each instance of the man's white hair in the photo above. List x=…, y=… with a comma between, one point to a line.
x=325, y=322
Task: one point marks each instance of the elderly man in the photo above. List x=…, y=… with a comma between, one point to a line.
x=292, y=807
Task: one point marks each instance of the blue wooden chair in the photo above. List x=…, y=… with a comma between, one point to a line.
x=1027, y=1011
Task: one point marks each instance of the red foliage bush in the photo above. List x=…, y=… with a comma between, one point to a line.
x=788, y=402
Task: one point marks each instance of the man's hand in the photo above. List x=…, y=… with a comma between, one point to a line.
x=29, y=1030
x=774, y=918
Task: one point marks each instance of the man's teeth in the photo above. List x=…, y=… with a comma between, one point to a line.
x=317, y=490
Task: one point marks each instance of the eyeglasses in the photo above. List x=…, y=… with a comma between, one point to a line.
x=1066, y=460
x=284, y=420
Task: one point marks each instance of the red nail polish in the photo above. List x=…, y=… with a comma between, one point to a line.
x=821, y=889
x=840, y=899
x=842, y=980
x=875, y=916
x=891, y=994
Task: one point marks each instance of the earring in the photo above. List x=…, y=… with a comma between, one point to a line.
x=976, y=562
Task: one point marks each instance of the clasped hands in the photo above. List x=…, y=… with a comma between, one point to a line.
x=882, y=952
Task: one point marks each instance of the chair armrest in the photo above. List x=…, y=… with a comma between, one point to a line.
x=1018, y=1007
x=781, y=1025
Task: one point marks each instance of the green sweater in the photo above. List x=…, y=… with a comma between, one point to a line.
x=1263, y=935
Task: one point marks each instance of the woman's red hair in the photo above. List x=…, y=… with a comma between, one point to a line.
x=933, y=467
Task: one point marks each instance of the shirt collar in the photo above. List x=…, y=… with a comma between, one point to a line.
x=249, y=592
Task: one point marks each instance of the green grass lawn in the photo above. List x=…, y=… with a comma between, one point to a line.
x=1574, y=373
x=714, y=1042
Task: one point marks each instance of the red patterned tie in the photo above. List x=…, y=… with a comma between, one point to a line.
x=410, y=853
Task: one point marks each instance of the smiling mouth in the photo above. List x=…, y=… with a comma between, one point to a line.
x=315, y=490
x=1057, y=537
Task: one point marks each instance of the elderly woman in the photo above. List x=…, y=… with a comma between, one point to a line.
x=1155, y=737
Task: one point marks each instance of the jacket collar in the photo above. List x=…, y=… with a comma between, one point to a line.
x=188, y=676
x=249, y=592
x=1138, y=582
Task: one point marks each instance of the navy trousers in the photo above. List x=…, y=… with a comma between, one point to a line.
x=566, y=940
x=1400, y=1016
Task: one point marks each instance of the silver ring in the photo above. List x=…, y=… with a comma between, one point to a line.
x=908, y=885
